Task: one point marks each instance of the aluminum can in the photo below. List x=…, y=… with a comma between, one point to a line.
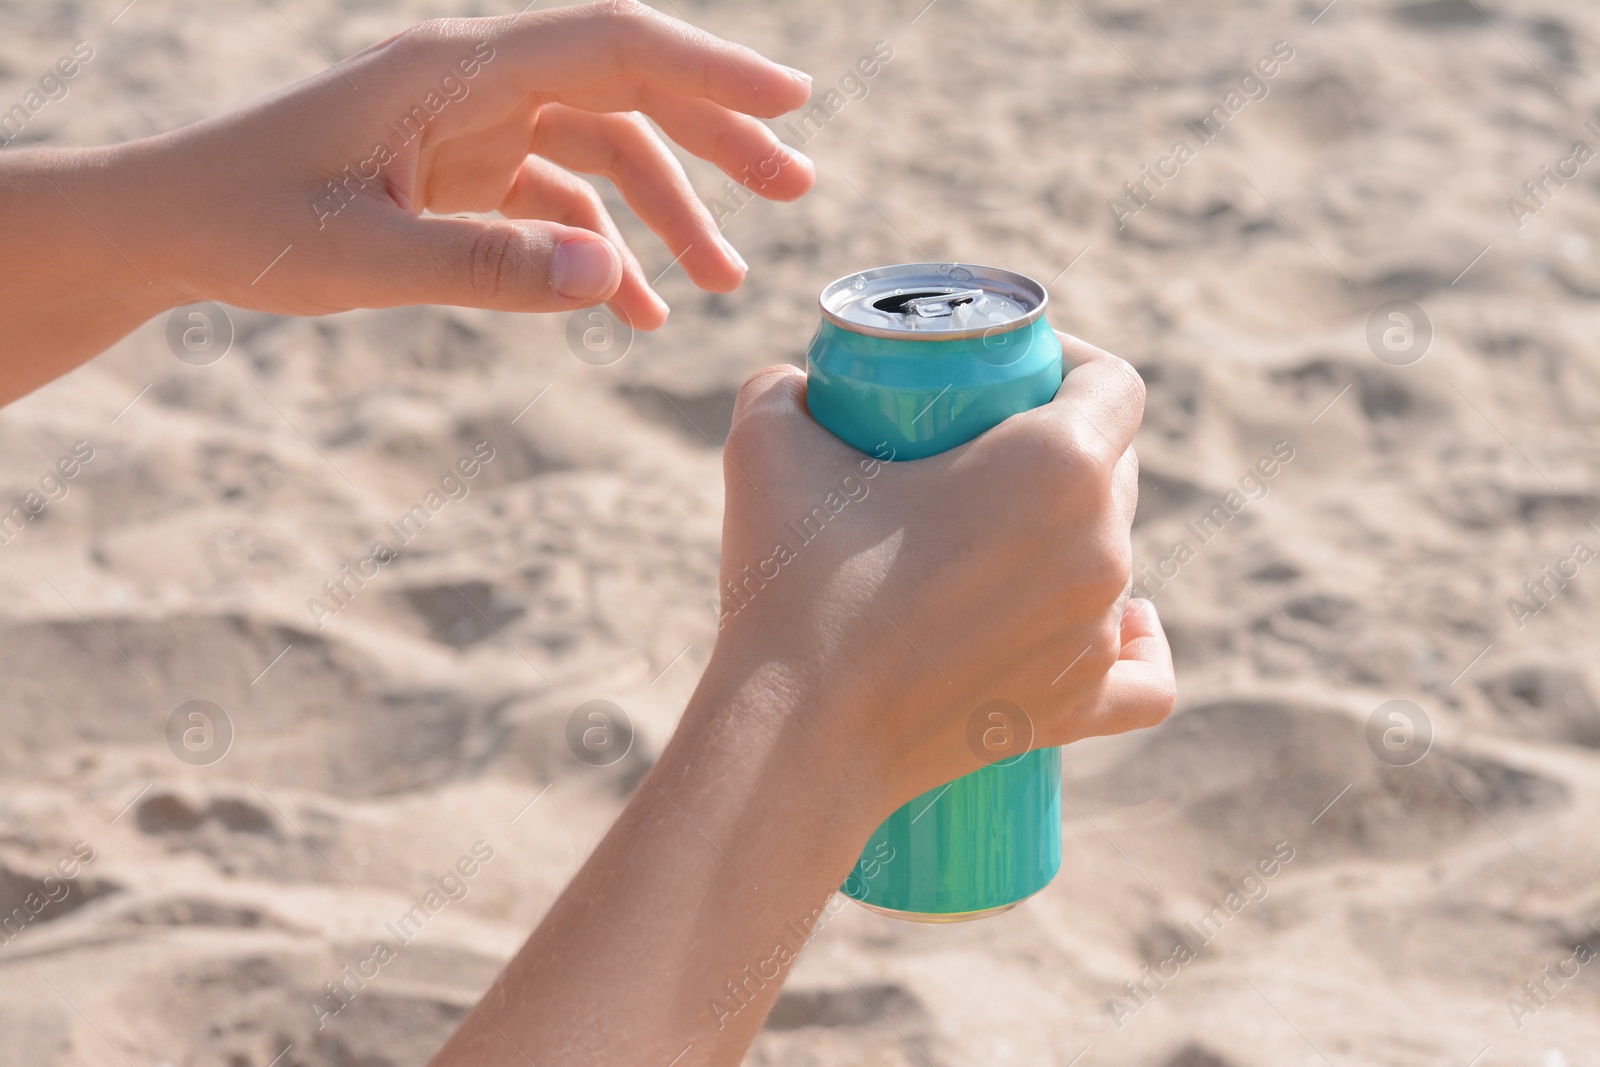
x=911, y=360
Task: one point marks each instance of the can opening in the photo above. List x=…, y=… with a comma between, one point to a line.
x=898, y=303
x=932, y=301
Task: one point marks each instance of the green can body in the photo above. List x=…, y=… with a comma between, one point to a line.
x=977, y=845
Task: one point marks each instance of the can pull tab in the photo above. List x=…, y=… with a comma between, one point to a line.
x=938, y=305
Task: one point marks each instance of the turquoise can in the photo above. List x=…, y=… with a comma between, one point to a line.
x=909, y=361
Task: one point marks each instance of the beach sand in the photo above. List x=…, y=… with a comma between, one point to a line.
x=376, y=745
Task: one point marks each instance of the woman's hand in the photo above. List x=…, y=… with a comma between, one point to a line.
x=903, y=597
x=479, y=116
x=842, y=684
x=312, y=200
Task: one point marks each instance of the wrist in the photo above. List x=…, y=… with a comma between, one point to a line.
x=138, y=187
x=84, y=262
x=97, y=212
x=778, y=749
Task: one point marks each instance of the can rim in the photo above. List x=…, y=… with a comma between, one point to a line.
x=979, y=270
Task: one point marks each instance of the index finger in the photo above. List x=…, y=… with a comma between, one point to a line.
x=1099, y=390
x=633, y=47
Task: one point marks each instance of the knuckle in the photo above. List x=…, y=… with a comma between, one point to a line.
x=498, y=265
x=1105, y=580
x=721, y=142
x=1094, y=654
x=428, y=33
x=1085, y=451
x=1069, y=447
x=756, y=385
x=586, y=202
x=1074, y=460
x=1135, y=381
x=742, y=433
x=1067, y=474
x=1128, y=464
x=1030, y=447
x=753, y=408
x=1102, y=654
x=627, y=140
x=1117, y=562
x=1150, y=706
x=1099, y=571
x=1161, y=699
x=619, y=9
x=748, y=439
x=1122, y=375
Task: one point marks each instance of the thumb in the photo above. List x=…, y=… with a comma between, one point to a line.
x=498, y=264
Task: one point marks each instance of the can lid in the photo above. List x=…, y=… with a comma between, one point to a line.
x=933, y=301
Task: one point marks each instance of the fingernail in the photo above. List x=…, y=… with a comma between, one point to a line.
x=795, y=155
x=798, y=75
x=733, y=254
x=584, y=269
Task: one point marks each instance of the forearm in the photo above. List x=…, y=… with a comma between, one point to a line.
x=679, y=930
x=322, y=198
x=79, y=266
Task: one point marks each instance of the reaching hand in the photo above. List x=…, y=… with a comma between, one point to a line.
x=348, y=190
x=480, y=116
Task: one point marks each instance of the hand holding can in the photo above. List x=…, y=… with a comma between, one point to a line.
x=900, y=598
x=920, y=358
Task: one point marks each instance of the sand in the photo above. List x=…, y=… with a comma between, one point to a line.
x=1383, y=560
